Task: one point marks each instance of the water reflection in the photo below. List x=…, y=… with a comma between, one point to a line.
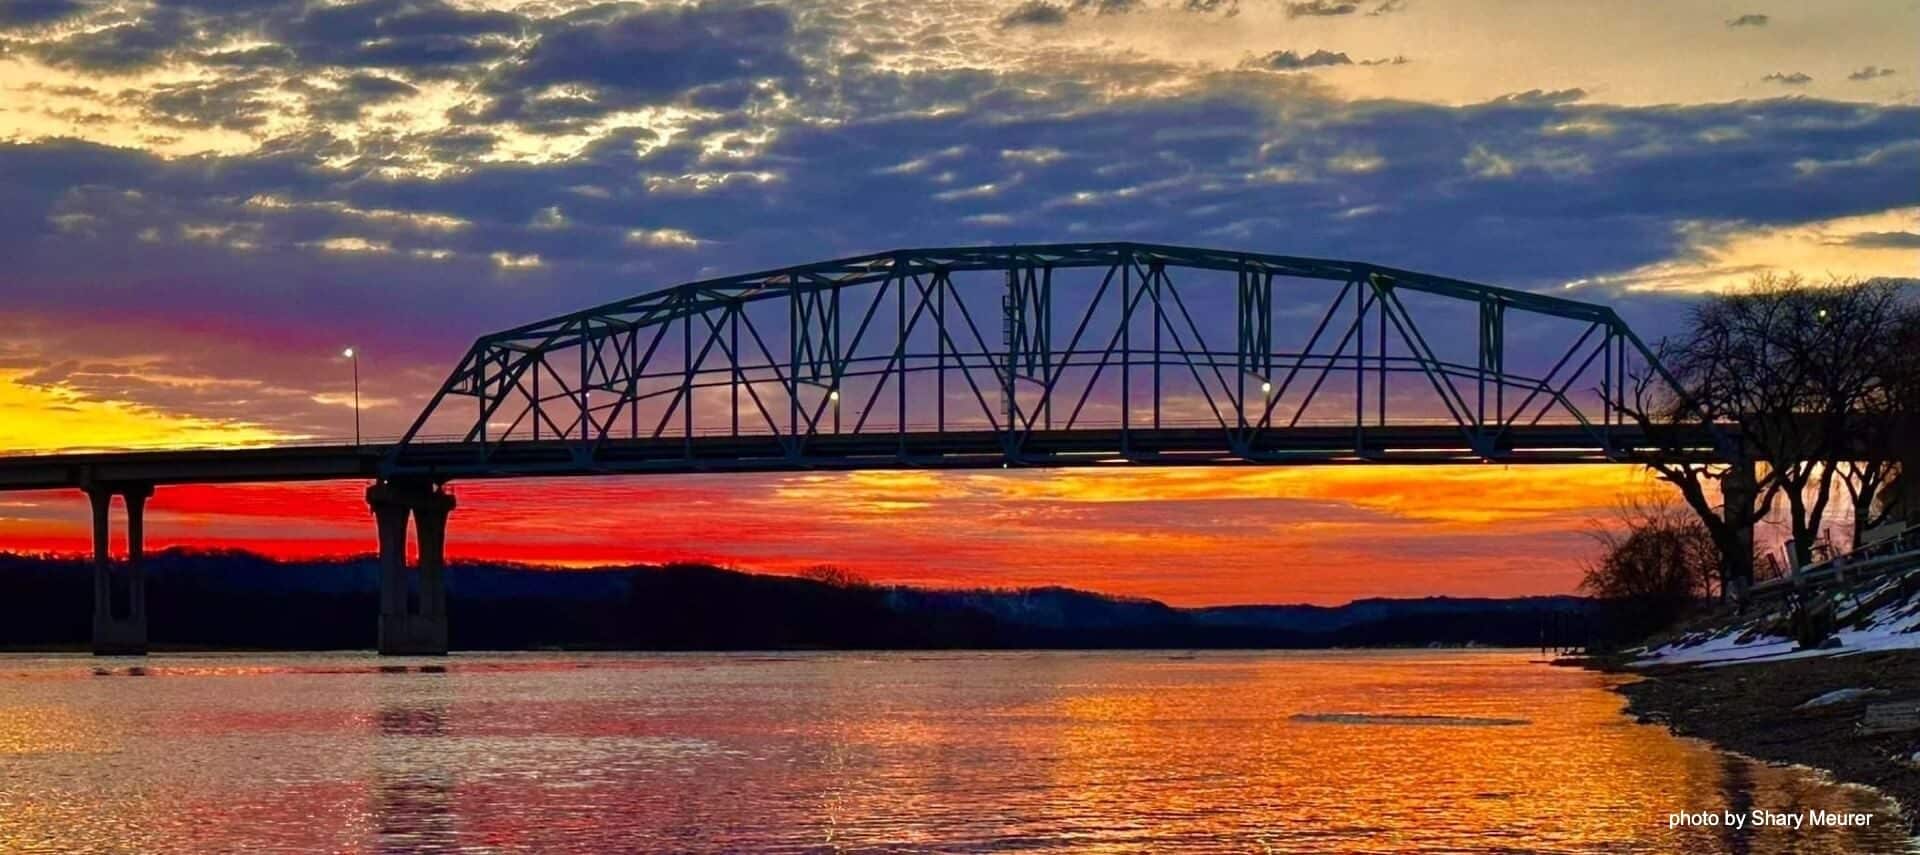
x=412, y=786
x=1736, y=783
x=1377, y=752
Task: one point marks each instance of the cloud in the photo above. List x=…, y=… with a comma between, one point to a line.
x=1228, y=8
x=1107, y=7
x=1883, y=240
x=412, y=34
x=426, y=35
x=1388, y=7
x=1749, y=20
x=1592, y=203
x=234, y=103
x=1788, y=79
x=259, y=56
x=123, y=47
x=748, y=146
x=69, y=407
x=623, y=57
x=347, y=98
x=1637, y=172
x=1871, y=72
x=1540, y=97
x=1727, y=254
x=1035, y=13
x=16, y=14
x=1321, y=8
x=1286, y=60
x=664, y=238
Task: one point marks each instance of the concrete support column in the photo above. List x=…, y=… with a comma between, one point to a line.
x=413, y=618
x=390, y=519
x=102, y=501
x=136, y=502
x=430, y=530
x=1739, y=491
x=119, y=622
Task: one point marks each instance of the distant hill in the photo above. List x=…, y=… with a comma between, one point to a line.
x=239, y=599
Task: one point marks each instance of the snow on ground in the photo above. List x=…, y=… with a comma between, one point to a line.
x=1872, y=619
x=1840, y=696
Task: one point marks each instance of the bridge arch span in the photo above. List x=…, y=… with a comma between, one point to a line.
x=1042, y=355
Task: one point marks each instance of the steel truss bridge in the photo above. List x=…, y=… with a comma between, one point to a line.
x=1045, y=355
x=977, y=357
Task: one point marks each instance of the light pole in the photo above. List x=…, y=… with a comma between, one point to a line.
x=355, y=359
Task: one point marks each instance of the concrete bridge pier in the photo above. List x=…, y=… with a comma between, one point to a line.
x=413, y=610
x=119, y=598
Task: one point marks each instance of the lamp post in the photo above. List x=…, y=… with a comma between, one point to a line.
x=354, y=358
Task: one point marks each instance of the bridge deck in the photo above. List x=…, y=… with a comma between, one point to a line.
x=984, y=449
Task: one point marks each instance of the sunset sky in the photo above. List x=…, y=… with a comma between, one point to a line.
x=203, y=201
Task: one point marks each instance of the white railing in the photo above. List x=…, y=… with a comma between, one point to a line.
x=1899, y=552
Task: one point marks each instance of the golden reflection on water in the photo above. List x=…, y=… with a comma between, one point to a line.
x=1095, y=752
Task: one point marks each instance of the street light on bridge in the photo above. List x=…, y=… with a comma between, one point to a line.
x=354, y=358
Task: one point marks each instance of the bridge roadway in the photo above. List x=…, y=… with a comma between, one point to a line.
x=980, y=449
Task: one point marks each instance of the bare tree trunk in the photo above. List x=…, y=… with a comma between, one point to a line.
x=1863, y=480
x=1797, y=517
x=1730, y=525
x=1733, y=533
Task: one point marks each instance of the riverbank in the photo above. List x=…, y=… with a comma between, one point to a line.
x=1755, y=709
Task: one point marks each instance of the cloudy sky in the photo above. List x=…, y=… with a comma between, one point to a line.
x=203, y=201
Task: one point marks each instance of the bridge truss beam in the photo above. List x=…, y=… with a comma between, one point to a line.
x=1109, y=349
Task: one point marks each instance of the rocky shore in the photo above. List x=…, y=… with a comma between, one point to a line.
x=1758, y=709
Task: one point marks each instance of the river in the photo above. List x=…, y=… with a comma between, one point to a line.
x=1424, y=751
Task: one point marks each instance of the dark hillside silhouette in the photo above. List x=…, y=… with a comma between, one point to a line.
x=242, y=600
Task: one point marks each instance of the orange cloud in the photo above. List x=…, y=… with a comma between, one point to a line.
x=39, y=418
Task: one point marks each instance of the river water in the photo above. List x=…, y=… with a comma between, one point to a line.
x=1071, y=752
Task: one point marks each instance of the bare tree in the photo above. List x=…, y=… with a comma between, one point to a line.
x=835, y=575
x=1799, y=370
x=1656, y=559
x=1722, y=496
x=1865, y=481
x=1872, y=478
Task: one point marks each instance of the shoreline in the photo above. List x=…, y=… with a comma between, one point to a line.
x=1750, y=709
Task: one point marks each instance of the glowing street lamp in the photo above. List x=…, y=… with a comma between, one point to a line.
x=354, y=358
